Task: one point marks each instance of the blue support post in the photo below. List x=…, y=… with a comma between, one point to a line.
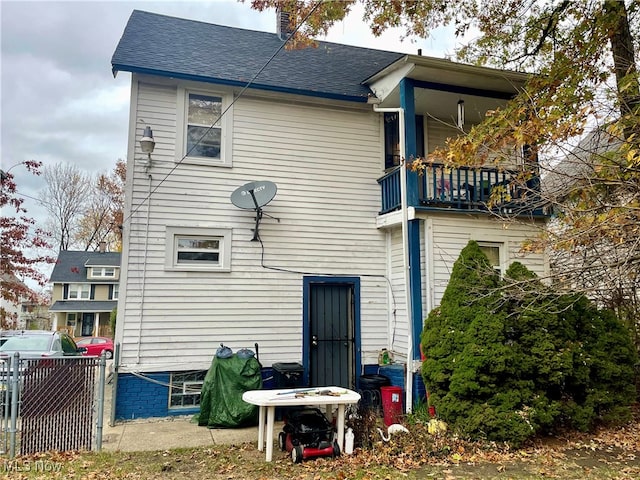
x=407, y=102
x=415, y=285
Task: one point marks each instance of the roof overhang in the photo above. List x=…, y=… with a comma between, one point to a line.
x=83, y=306
x=239, y=84
x=443, y=82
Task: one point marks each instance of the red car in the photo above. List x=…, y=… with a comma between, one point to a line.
x=96, y=345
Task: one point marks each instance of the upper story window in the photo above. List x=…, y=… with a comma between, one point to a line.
x=195, y=248
x=204, y=122
x=103, y=272
x=79, y=291
x=204, y=128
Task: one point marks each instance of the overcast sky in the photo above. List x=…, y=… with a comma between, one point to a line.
x=59, y=100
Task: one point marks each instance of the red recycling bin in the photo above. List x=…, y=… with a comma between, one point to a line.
x=391, y=404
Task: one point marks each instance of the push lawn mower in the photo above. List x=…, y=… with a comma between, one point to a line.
x=308, y=434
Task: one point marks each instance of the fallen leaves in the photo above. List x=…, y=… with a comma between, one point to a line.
x=606, y=454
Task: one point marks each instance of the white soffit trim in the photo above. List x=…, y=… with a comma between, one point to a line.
x=386, y=84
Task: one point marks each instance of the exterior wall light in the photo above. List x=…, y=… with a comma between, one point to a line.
x=460, y=114
x=147, y=144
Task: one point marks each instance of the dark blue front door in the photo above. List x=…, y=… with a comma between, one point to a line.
x=330, y=331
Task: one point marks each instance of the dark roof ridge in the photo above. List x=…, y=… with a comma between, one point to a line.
x=321, y=42
x=186, y=49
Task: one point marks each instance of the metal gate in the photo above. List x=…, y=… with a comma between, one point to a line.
x=57, y=405
x=331, y=319
x=50, y=404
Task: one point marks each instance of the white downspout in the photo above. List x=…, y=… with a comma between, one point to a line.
x=405, y=252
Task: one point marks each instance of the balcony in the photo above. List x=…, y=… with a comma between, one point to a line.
x=467, y=189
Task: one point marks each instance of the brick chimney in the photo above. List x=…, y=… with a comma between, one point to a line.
x=283, y=27
x=103, y=246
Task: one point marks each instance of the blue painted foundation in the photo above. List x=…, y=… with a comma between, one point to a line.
x=149, y=397
x=141, y=398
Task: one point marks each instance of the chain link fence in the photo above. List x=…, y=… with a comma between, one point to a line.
x=51, y=404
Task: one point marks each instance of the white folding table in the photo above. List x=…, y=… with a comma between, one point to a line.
x=268, y=400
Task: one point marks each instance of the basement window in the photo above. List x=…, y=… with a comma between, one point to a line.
x=185, y=389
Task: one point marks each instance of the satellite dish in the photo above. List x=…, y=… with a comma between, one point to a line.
x=254, y=196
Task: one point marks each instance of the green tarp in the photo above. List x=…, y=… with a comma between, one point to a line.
x=221, y=403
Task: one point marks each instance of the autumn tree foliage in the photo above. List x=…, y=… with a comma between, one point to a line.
x=583, y=59
x=103, y=217
x=20, y=245
x=508, y=359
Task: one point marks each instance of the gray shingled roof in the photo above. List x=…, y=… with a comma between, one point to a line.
x=83, y=306
x=70, y=266
x=168, y=46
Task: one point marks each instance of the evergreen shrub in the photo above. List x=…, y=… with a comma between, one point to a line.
x=508, y=359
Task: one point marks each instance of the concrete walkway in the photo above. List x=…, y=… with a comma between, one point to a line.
x=168, y=433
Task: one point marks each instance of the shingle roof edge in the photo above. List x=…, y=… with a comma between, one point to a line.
x=219, y=81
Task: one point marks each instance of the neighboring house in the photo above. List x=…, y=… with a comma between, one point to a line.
x=599, y=267
x=85, y=291
x=34, y=315
x=12, y=309
x=347, y=259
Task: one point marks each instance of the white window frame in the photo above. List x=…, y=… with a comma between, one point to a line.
x=502, y=254
x=115, y=291
x=223, y=235
x=101, y=272
x=80, y=288
x=226, y=137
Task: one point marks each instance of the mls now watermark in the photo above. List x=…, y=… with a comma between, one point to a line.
x=40, y=466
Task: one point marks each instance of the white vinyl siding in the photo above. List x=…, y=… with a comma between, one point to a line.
x=325, y=161
x=451, y=233
x=398, y=323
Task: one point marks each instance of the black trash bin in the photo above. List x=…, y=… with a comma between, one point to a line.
x=370, y=396
x=287, y=375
